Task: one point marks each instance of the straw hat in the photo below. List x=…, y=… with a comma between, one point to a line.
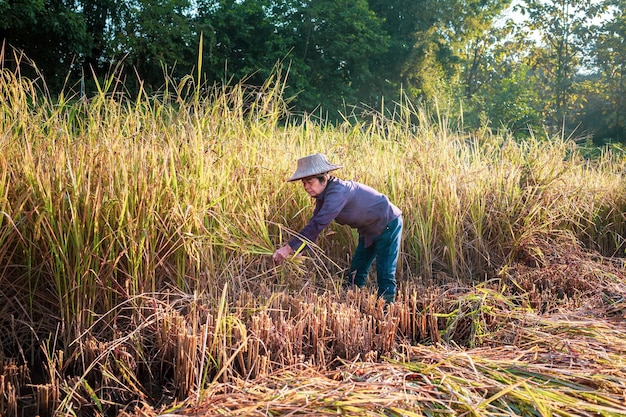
x=313, y=165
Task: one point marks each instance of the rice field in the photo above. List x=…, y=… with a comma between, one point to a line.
x=136, y=277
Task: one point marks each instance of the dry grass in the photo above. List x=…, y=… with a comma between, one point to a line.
x=569, y=361
x=437, y=380
x=530, y=364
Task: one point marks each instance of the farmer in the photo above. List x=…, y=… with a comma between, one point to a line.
x=377, y=220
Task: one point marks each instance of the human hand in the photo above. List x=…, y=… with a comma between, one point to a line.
x=281, y=254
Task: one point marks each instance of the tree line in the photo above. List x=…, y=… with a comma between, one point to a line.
x=551, y=66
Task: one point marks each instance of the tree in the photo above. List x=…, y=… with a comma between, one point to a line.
x=501, y=89
x=99, y=16
x=51, y=33
x=325, y=45
x=335, y=43
x=564, y=27
x=428, y=46
x=504, y=87
x=240, y=40
x=156, y=38
x=610, y=56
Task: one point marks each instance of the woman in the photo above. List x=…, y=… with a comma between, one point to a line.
x=377, y=220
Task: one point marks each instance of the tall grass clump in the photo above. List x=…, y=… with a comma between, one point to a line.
x=136, y=234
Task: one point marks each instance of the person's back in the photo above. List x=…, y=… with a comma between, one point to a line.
x=366, y=209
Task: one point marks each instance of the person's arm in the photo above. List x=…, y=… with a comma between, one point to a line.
x=324, y=214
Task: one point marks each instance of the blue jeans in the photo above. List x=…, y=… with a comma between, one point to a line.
x=385, y=250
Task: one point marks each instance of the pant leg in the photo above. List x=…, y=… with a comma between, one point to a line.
x=387, y=247
x=361, y=263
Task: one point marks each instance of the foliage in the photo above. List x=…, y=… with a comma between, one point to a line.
x=239, y=40
x=157, y=38
x=339, y=54
x=335, y=41
x=52, y=33
x=427, y=43
x=343, y=59
x=610, y=55
x=564, y=29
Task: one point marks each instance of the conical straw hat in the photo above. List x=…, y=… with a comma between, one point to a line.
x=313, y=165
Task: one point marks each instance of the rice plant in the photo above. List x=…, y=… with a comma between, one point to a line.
x=135, y=243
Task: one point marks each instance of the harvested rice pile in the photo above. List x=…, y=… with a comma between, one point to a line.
x=548, y=338
x=577, y=376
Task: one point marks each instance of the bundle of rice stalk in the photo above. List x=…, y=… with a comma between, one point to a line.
x=514, y=381
x=307, y=391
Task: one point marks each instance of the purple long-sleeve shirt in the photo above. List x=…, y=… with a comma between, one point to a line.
x=352, y=203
